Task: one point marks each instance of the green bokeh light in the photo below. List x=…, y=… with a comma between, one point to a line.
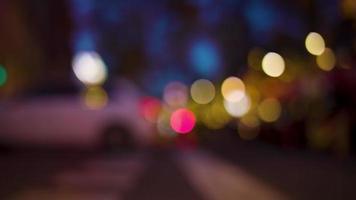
x=3, y=75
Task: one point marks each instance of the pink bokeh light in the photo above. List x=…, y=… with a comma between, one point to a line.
x=182, y=121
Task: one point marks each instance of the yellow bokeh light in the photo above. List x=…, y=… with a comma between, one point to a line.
x=273, y=64
x=315, y=43
x=250, y=120
x=215, y=116
x=326, y=61
x=95, y=97
x=89, y=68
x=348, y=8
x=233, y=89
x=202, y=91
x=238, y=108
x=269, y=110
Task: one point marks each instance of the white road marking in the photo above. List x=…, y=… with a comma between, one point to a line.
x=219, y=180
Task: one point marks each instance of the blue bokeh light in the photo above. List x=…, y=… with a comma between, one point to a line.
x=204, y=57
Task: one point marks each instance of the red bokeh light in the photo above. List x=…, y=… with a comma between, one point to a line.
x=150, y=108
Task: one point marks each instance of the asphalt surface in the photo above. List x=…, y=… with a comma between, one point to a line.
x=297, y=173
x=230, y=169
x=93, y=176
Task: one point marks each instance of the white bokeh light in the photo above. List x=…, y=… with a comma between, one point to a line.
x=273, y=64
x=233, y=89
x=239, y=108
x=89, y=68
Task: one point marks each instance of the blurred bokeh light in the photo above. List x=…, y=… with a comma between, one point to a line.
x=273, y=64
x=327, y=60
x=215, y=116
x=89, y=68
x=202, y=91
x=95, y=97
x=182, y=121
x=205, y=58
x=176, y=94
x=203, y=72
x=233, y=89
x=315, y=43
x=269, y=110
x=150, y=108
x=3, y=75
x=238, y=108
x=250, y=120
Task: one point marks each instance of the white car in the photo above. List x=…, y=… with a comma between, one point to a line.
x=64, y=121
